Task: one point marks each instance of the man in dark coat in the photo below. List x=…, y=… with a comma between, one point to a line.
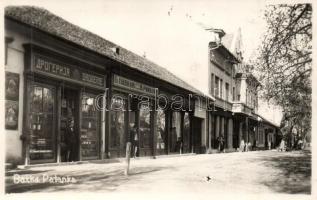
x=70, y=140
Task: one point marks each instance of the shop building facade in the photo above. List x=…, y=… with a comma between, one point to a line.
x=235, y=117
x=63, y=74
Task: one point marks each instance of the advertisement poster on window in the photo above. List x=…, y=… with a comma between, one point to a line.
x=12, y=81
x=11, y=115
x=12, y=86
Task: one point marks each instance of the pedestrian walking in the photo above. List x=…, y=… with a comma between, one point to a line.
x=221, y=143
x=242, y=145
x=282, y=145
x=246, y=147
x=249, y=146
x=300, y=144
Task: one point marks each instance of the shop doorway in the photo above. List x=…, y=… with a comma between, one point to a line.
x=197, y=134
x=69, y=125
x=118, y=135
x=266, y=142
x=41, y=120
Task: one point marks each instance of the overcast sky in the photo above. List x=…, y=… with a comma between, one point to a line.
x=170, y=33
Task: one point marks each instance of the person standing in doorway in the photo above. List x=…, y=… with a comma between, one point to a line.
x=70, y=140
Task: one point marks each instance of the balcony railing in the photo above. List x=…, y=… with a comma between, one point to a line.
x=239, y=107
x=223, y=104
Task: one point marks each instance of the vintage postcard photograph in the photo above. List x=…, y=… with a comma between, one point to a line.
x=157, y=99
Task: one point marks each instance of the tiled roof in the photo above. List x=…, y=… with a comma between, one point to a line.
x=45, y=21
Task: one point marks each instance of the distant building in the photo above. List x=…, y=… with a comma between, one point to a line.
x=235, y=116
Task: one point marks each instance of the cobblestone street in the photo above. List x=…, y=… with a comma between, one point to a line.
x=257, y=172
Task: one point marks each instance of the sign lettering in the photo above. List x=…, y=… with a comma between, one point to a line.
x=52, y=67
x=133, y=85
x=71, y=73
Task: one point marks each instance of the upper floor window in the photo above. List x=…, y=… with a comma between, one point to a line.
x=227, y=91
x=233, y=94
x=212, y=86
x=216, y=88
x=220, y=88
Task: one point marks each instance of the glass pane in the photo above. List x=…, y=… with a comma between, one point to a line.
x=89, y=127
x=161, y=133
x=118, y=104
x=117, y=136
x=47, y=100
x=88, y=106
x=37, y=99
x=41, y=123
x=145, y=128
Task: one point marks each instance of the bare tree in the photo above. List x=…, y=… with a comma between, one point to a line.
x=285, y=64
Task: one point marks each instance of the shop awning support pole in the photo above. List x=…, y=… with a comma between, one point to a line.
x=128, y=155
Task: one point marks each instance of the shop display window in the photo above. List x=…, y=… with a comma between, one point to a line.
x=176, y=138
x=145, y=127
x=161, y=132
x=89, y=137
x=117, y=123
x=41, y=120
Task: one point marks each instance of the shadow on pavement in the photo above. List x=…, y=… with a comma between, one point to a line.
x=295, y=172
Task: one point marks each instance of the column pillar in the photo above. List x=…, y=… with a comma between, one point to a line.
x=154, y=131
x=240, y=132
x=182, y=130
x=257, y=135
x=247, y=139
x=168, y=130
x=230, y=133
x=222, y=126
x=210, y=128
x=217, y=126
x=58, y=105
x=108, y=118
x=207, y=131
x=203, y=134
x=103, y=125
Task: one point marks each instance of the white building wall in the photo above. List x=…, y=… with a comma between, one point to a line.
x=15, y=64
x=243, y=90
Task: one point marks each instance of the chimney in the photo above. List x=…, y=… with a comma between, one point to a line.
x=216, y=34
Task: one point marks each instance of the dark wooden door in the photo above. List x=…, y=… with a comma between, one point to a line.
x=196, y=132
x=69, y=109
